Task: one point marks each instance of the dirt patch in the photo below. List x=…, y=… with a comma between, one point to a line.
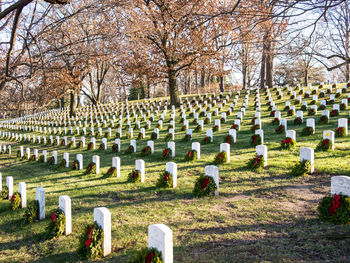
x=303, y=199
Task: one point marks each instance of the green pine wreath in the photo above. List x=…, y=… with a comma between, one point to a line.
x=57, y=224
x=91, y=168
x=165, y=180
x=220, y=158
x=148, y=255
x=288, y=143
x=335, y=209
x=301, y=168
x=255, y=139
x=325, y=145
x=91, y=242
x=32, y=212
x=204, y=186
x=256, y=163
x=15, y=201
x=130, y=150
x=191, y=155
x=4, y=194
x=134, y=176
x=62, y=164
x=146, y=151
x=112, y=172
x=166, y=153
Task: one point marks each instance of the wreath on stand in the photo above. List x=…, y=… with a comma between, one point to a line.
x=220, y=158
x=324, y=119
x=166, y=154
x=288, y=143
x=90, y=169
x=191, y=155
x=325, y=145
x=134, y=176
x=91, y=242
x=301, y=168
x=57, y=224
x=112, y=172
x=148, y=255
x=256, y=163
x=204, y=186
x=335, y=209
x=206, y=140
x=256, y=139
x=340, y=132
x=165, y=180
x=130, y=150
x=32, y=212
x=75, y=165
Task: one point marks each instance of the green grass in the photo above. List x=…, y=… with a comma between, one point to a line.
x=264, y=216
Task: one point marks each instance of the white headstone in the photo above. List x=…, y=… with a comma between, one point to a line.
x=45, y=156
x=171, y=146
x=80, y=159
x=104, y=141
x=218, y=123
x=140, y=166
x=116, y=164
x=133, y=143
x=9, y=184
x=283, y=122
x=225, y=147
x=151, y=145
x=93, y=141
x=171, y=168
x=23, y=192
x=102, y=216
x=311, y=123
x=161, y=237
x=330, y=136
x=213, y=171
x=66, y=157
x=291, y=134
x=307, y=154
x=54, y=155
x=233, y=133
x=262, y=150
x=340, y=185
x=261, y=133
x=343, y=123
x=40, y=197
x=66, y=206
x=197, y=147
x=209, y=134
x=96, y=160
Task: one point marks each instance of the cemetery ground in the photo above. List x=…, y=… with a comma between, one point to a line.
x=265, y=216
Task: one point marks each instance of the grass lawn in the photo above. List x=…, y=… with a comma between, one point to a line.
x=265, y=216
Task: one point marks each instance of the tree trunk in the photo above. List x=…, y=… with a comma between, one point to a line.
x=221, y=78
x=173, y=88
x=62, y=103
x=306, y=77
x=244, y=66
x=72, y=108
x=202, y=78
x=195, y=80
x=263, y=65
x=244, y=75
x=78, y=100
x=347, y=73
x=148, y=88
x=269, y=64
